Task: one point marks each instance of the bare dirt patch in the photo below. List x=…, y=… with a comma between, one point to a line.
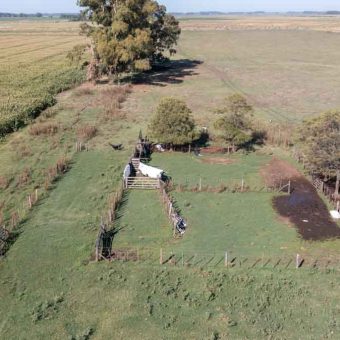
x=303, y=208
x=217, y=160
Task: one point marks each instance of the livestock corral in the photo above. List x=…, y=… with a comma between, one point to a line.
x=253, y=251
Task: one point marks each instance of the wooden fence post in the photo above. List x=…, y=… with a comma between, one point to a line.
x=170, y=210
x=298, y=261
x=289, y=187
x=161, y=257
x=30, y=201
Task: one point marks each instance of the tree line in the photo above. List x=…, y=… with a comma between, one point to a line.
x=235, y=127
x=20, y=15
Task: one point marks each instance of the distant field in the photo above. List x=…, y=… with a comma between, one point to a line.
x=233, y=22
x=287, y=75
x=33, y=67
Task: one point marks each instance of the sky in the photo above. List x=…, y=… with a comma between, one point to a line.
x=53, y=6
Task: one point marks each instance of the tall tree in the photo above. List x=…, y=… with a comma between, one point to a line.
x=129, y=35
x=173, y=123
x=234, y=123
x=320, y=140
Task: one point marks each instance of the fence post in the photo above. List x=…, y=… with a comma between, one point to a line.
x=200, y=186
x=226, y=259
x=30, y=201
x=289, y=188
x=242, y=185
x=297, y=261
x=161, y=257
x=170, y=209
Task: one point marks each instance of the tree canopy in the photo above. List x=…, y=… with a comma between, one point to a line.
x=320, y=141
x=129, y=35
x=234, y=123
x=173, y=123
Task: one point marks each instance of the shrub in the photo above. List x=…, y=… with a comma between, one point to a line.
x=173, y=123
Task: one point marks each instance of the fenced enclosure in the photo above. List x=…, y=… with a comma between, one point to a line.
x=222, y=260
x=233, y=186
x=326, y=190
x=322, y=187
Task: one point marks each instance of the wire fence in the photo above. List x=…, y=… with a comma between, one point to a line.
x=187, y=259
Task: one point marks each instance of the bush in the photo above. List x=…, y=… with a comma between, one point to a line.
x=173, y=123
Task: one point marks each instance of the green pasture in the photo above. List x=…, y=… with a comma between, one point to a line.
x=286, y=75
x=188, y=169
x=50, y=288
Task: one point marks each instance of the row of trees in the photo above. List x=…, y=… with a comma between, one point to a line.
x=20, y=15
x=319, y=138
x=174, y=124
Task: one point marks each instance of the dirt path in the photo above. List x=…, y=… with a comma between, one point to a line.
x=303, y=208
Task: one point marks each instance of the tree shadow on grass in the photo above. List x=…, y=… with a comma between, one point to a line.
x=172, y=72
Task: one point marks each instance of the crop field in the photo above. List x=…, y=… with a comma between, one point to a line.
x=50, y=286
x=33, y=68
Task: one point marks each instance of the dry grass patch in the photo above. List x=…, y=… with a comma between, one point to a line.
x=83, y=91
x=54, y=172
x=86, y=132
x=112, y=99
x=25, y=177
x=47, y=129
x=4, y=182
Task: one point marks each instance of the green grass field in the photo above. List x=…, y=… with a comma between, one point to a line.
x=285, y=82
x=49, y=288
